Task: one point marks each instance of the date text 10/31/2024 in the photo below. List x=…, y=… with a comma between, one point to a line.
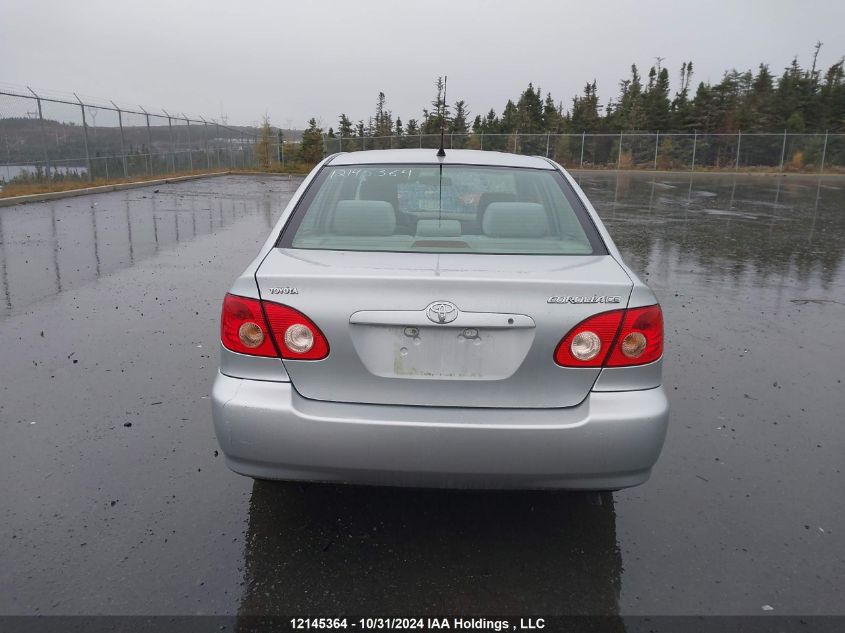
x=419, y=624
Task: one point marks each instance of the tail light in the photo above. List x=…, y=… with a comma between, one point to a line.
x=243, y=328
x=640, y=339
x=600, y=330
x=256, y=328
x=619, y=338
x=296, y=335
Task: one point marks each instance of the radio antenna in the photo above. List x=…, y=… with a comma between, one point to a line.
x=442, y=152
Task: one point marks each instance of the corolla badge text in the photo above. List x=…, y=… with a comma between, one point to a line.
x=585, y=299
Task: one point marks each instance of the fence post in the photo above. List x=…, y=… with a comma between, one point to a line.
x=694, y=143
x=656, y=145
x=218, y=151
x=148, y=159
x=548, y=139
x=824, y=152
x=231, y=150
x=122, y=141
x=190, y=149
x=482, y=140
x=583, y=138
x=43, y=133
x=340, y=142
x=619, y=157
x=149, y=144
x=85, y=138
x=325, y=145
x=515, y=139
x=783, y=151
x=420, y=139
x=172, y=142
x=207, y=154
x=738, y=145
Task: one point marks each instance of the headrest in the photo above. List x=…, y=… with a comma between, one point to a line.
x=364, y=217
x=515, y=219
x=438, y=228
x=489, y=197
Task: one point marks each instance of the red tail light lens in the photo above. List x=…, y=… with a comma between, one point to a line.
x=296, y=335
x=640, y=340
x=243, y=328
x=619, y=338
x=248, y=326
x=589, y=342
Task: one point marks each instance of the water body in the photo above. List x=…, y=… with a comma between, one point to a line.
x=8, y=172
x=109, y=311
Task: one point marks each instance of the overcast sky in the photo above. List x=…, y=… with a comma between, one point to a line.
x=294, y=60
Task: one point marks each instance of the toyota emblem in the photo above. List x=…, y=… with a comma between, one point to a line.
x=442, y=312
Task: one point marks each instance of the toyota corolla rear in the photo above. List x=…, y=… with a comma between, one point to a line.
x=461, y=321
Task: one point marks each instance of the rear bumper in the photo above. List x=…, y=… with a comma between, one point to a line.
x=609, y=441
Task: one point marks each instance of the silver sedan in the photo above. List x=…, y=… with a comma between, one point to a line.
x=461, y=320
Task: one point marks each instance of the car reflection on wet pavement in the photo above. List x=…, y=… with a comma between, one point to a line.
x=114, y=498
x=410, y=551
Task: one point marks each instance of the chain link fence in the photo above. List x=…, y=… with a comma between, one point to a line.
x=782, y=152
x=48, y=139
x=54, y=139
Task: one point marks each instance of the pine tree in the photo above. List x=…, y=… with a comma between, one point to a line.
x=585, y=110
x=382, y=124
x=311, y=149
x=398, y=134
x=492, y=124
x=681, y=105
x=434, y=120
x=656, y=99
x=509, y=123
x=345, y=128
x=530, y=111
x=551, y=115
x=807, y=99
x=700, y=118
x=832, y=95
x=630, y=111
x=458, y=125
x=761, y=101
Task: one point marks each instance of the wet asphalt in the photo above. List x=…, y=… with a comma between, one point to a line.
x=113, y=499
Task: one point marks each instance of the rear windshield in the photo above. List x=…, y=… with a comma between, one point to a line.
x=442, y=209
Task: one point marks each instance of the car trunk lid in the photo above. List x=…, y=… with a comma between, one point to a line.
x=437, y=329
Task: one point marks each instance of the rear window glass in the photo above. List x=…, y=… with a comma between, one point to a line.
x=448, y=209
